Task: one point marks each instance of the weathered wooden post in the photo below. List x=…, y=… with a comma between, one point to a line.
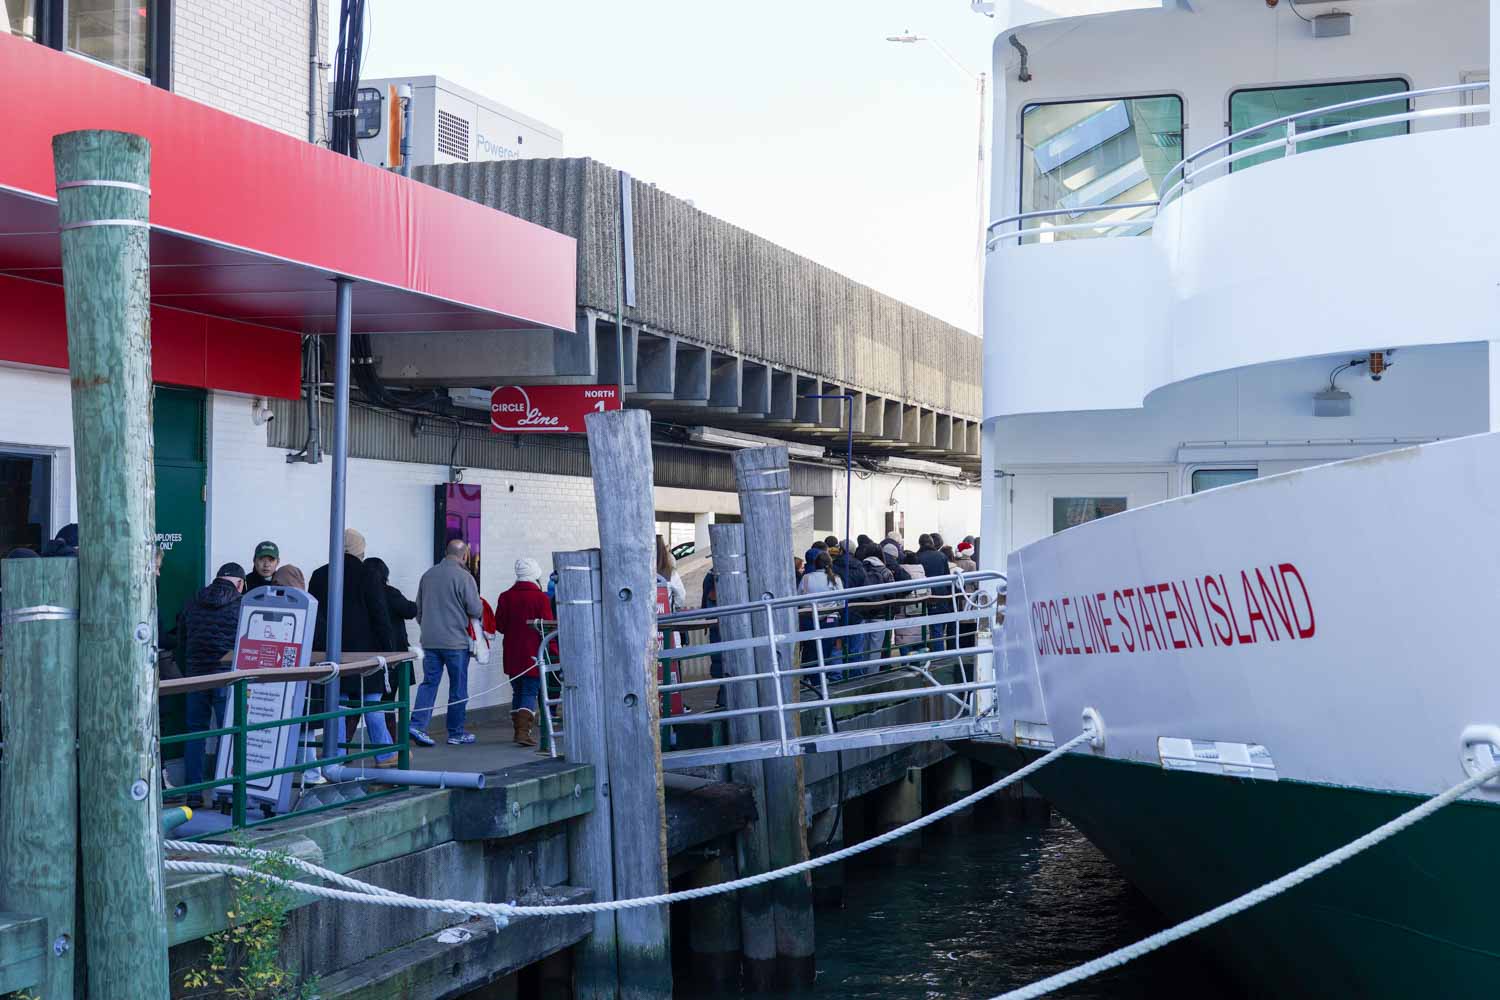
x=620, y=454
x=757, y=922
x=103, y=182
x=591, y=863
x=765, y=487
x=39, y=857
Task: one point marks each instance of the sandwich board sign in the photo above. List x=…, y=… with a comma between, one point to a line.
x=276, y=631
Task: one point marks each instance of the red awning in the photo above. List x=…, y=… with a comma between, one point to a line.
x=250, y=224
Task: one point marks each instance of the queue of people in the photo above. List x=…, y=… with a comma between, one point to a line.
x=451, y=616
x=833, y=564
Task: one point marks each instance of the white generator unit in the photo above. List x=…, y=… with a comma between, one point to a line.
x=450, y=125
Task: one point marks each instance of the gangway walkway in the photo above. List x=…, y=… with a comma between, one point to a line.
x=956, y=615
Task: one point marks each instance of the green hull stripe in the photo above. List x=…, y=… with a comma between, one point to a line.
x=1414, y=917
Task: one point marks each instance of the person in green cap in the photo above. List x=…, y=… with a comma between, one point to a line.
x=267, y=558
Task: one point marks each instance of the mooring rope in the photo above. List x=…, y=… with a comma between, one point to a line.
x=1254, y=897
x=362, y=892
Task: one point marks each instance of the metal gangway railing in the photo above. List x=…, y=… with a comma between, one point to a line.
x=956, y=616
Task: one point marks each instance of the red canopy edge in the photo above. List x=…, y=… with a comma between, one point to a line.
x=187, y=348
x=219, y=179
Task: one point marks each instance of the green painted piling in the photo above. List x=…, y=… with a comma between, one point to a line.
x=39, y=782
x=106, y=279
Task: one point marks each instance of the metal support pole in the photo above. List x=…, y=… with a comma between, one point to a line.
x=344, y=306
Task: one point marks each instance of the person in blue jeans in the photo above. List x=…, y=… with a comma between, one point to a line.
x=447, y=599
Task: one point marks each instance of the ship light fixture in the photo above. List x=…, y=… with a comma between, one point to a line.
x=1335, y=402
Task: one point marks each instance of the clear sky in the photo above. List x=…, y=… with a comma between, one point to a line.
x=795, y=119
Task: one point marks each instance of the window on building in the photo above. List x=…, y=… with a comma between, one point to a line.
x=131, y=35
x=25, y=501
x=1208, y=479
x=1249, y=108
x=1069, y=512
x=21, y=18
x=1087, y=154
x=116, y=32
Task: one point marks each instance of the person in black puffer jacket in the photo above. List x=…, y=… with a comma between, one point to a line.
x=209, y=623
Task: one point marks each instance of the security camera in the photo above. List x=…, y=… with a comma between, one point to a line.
x=261, y=412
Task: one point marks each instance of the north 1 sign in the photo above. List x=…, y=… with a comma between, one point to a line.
x=548, y=409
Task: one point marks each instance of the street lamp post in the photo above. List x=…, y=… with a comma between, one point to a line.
x=981, y=86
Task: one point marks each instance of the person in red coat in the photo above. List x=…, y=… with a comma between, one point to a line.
x=515, y=610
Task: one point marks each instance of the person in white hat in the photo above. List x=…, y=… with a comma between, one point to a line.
x=516, y=611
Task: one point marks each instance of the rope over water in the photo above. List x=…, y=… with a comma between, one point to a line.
x=353, y=890
x=361, y=892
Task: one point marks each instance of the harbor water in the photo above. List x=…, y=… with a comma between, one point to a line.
x=993, y=908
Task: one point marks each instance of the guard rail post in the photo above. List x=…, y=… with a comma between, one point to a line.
x=757, y=922
x=590, y=843
x=103, y=181
x=40, y=870
x=763, y=478
x=620, y=455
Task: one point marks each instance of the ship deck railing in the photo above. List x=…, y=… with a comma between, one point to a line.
x=1220, y=155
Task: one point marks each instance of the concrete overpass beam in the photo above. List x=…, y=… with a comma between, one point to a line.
x=809, y=411
x=724, y=381
x=890, y=425
x=605, y=348
x=831, y=416
x=944, y=432
x=690, y=384
x=928, y=438
x=755, y=389
x=655, y=365
x=911, y=425
x=783, y=394
x=874, y=416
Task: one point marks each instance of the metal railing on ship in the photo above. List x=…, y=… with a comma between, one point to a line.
x=1188, y=169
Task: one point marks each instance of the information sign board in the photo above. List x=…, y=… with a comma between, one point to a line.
x=276, y=631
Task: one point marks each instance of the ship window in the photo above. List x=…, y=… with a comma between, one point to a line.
x=1087, y=154
x=1249, y=108
x=1208, y=479
x=1069, y=512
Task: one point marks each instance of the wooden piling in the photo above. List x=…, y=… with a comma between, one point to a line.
x=590, y=843
x=947, y=782
x=620, y=455
x=106, y=277
x=714, y=928
x=764, y=483
x=896, y=805
x=39, y=782
x=752, y=846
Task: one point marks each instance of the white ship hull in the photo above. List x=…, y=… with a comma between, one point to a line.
x=1280, y=666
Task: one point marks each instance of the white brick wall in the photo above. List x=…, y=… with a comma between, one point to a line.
x=249, y=57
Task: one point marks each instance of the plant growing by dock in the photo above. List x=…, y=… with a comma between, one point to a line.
x=244, y=960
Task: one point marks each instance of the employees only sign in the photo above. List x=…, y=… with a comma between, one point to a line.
x=548, y=409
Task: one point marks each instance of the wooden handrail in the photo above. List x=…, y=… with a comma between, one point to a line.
x=282, y=675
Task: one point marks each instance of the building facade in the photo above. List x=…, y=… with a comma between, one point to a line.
x=224, y=478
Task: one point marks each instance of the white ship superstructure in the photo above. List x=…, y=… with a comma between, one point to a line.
x=1135, y=354
x=1241, y=379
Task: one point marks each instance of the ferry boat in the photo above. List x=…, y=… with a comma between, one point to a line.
x=1242, y=384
